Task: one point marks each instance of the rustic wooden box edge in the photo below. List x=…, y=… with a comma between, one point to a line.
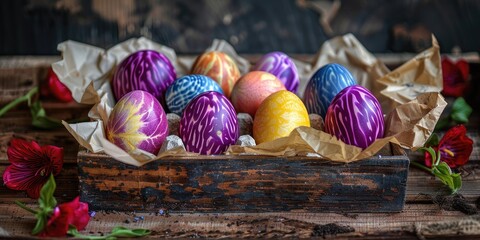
x=245, y=184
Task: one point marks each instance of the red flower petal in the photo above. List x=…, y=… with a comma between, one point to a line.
x=57, y=225
x=57, y=88
x=31, y=165
x=454, y=77
x=22, y=152
x=81, y=213
x=456, y=141
x=55, y=155
x=70, y=213
x=464, y=68
x=19, y=178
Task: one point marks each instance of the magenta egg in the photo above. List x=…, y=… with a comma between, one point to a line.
x=146, y=70
x=209, y=124
x=355, y=117
x=137, y=121
x=281, y=66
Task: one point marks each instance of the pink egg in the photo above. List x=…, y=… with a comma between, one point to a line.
x=251, y=89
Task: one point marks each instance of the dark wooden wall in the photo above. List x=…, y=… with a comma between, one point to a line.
x=293, y=26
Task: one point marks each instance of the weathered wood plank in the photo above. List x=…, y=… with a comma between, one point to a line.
x=246, y=225
x=229, y=184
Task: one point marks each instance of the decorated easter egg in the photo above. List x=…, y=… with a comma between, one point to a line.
x=209, y=124
x=184, y=89
x=355, y=117
x=137, y=121
x=280, y=65
x=218, y=66
x=145, y=70
x=251, y=89
x=324, y=85
x=278, y=115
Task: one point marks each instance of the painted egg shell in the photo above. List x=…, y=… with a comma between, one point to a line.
x=280, y=65
x=355, y=117
x=138, y=121
x=251, y=89
x=184, y=89
x=218, y=66
x=209, y=124
x=278, y=115
x=324, y=85
x=145, y=70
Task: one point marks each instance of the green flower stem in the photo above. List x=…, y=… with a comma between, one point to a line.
x=19, y=100
x=421, y=166
x=22, y=205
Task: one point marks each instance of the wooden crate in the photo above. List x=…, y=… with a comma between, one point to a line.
x=245, y=184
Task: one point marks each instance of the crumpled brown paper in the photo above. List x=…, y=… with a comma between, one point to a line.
x=349, y=52
x=86, y=71
x=421, y=74
x=410, y=131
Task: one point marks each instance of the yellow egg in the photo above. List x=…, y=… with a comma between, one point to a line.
x=278, y=115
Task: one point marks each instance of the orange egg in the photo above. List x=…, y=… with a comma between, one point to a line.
x=251, y=89
x=218, y=66
x=278, y=115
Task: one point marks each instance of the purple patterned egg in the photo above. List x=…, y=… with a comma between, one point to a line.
x=355, y=117
x=280, y=65
x=137, y=121
x=209, y=124
x=145, y=70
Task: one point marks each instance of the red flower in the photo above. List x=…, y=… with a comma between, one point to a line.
x=57, y=88
x=31, y=166
x=455, y=148
x=455, y=77
x=71, y=213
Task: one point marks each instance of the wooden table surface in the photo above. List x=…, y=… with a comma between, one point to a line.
x=428, y=212
x=425, y=209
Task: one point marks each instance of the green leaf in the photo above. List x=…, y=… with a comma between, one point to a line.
x=433, y=140
x=461, y=111
x=40, y=118
x=117, y=232
x=14, y=103
x=432, y=153
x=42, y=218
x=46, y=200
x=47, y=203
x=125, y=232
x=457, y=182
x=444, y=173
x=442, y=123
x=444, y=168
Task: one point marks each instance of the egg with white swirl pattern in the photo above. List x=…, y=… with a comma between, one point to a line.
x=281, y=66
x=209, y=124
x=184, y=89
x=146, y=70
x=325, y=83
x=355, y=117
x=137, y=121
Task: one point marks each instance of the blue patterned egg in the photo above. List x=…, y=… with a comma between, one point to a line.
x=324, y=85
x=184, y=89
x=355, y=117
x=209, y=124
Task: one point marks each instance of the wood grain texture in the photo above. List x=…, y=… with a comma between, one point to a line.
x=244, y=183
x=18, y=222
